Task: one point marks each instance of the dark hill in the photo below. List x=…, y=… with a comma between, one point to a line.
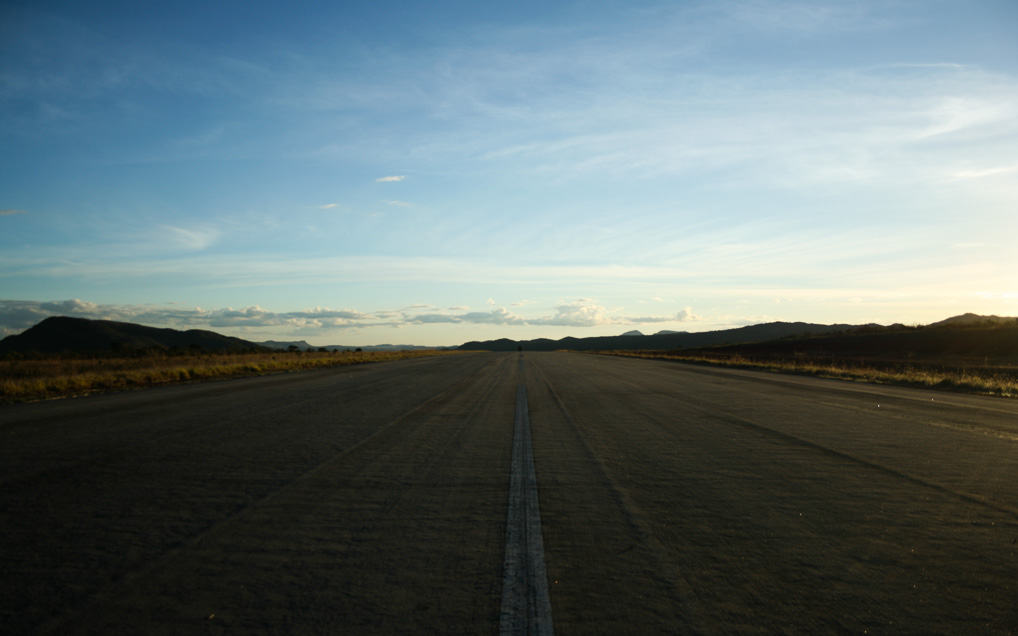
x=975, y=320
x=967, y=340
x=74, y=336
x=285, y=344
x=303, y=345
x=502, y=344
x=662, y=341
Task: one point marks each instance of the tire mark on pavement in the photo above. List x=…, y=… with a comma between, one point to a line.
x=109, y=591
x=792, y=439
x=526, y=606
x=731, y=418
x=727, y=503
x=840, y=387
x=680, y=589
x=144, y=404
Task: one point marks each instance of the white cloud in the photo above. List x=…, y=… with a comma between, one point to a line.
x=190, y=239
x=685, y=315
x=954, y=114
x=647, y=319
x=887, y=124
x=402, y=204
x=328, y=206
x=497, y=316
x=434, y=318
x=16, y=316
x=390, y=179
x=984, y=172
x=581, y=313
x=319, y=317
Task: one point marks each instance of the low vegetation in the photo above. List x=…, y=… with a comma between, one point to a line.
x=971, y=353
x=972, y=377
x=35, y=378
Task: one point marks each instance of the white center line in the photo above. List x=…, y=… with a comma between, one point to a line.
x=526, y=608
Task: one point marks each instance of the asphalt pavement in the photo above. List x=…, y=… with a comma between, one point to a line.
x=673, y=499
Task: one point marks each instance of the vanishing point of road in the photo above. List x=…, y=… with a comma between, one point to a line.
x=381, y=499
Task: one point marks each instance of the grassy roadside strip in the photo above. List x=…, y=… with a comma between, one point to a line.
x=1002, y=384
x=30, y=380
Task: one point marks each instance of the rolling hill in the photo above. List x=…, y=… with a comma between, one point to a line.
x=661, y=340
x=992, y=338
x=961, y=340
x=80, y=336
x=303, y=345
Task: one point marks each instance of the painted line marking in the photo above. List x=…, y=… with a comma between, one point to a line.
x=526, y=608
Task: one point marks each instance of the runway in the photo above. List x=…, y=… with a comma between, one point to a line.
x=673, y=499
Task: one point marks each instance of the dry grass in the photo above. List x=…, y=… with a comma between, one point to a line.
x=1002, y=381
x=27, y=380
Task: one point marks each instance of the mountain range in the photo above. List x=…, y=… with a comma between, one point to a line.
x=969, y=340
x=82, y=336
x=303, y=345
x=79, y=336
x=662, y=340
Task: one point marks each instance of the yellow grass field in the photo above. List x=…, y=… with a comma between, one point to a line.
x=28, y=380
x=980, y=381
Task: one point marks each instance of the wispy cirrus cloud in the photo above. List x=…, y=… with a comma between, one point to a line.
x=328, y=206
x=190, y=238
x=979, y=173
x=391, y=179
x=799, y=17
x=10, y=212
x=852, y=125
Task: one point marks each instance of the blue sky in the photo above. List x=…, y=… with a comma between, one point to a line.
x=432, y=173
